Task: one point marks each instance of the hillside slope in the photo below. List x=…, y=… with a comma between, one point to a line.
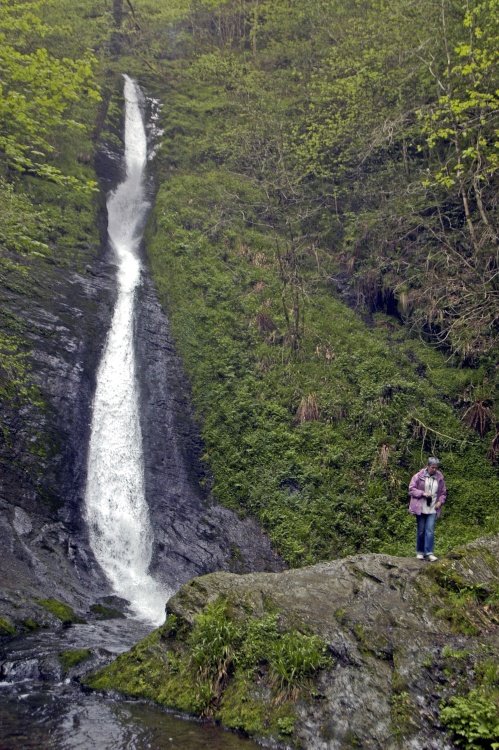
x=291, y=244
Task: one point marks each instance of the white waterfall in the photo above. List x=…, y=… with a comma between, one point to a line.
x=115, y=505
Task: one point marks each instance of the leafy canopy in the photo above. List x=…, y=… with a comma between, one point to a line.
x=37, y=93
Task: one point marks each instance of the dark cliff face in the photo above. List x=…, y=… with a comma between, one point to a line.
x=42, y=528
x=192, y=534
x=42, y=534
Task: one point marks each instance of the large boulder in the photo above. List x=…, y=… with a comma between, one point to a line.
x=400, y=638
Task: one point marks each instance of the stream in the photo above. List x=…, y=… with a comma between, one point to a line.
x=41, y=707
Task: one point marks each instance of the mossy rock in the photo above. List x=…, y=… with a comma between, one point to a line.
x=62, y=611
x=246, y=650
x=7, y=628
x=73, y=657
x=30, y=624
x=103, y=612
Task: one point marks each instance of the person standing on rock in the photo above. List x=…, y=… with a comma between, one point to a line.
x=427, y=492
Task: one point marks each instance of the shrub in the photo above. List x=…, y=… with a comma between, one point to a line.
x=473, y=719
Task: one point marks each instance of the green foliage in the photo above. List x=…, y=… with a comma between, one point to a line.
x=311, y=483
x=295, y=656
x=15, y=381
x=214, y=640
x=290, y=167
x=473, y=720
x=469, y=608
x=218, y=642
x=402, y=710
x=73, y=657
x=37, y=93
x=23, y=227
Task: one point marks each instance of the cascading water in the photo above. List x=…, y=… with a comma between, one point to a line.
x=115, y=503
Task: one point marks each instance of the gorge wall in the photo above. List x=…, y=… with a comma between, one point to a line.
x=66, y=317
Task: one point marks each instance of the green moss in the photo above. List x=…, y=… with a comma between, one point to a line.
x=73, y=657
x=60, y=610
x=402, y=711
x=31, y=624
x=6, y=627
x=451, y=653
x=341, y=615
x=373, y=642
x=102, y=612
x=241, y=670
x=242, y=707
x=468, y=607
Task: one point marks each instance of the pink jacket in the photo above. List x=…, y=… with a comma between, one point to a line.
x=416, y=491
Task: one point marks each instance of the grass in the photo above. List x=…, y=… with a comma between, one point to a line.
x=220, y=667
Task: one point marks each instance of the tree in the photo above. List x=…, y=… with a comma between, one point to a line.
x=460, y=125
x=37, y=91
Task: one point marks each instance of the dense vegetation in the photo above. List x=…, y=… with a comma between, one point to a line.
x=323, y=239
x=220, y=666
x=319, y=157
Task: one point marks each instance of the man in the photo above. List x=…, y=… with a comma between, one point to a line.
x=427, y=493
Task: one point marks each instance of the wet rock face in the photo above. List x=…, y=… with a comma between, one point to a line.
x=42, y=533
x=192, y=534
x=43, y=536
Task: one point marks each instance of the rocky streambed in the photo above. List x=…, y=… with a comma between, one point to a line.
x=356, y=653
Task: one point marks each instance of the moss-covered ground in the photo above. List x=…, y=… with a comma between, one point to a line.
x=243, y=671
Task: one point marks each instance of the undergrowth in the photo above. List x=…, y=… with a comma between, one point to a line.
x=312, y=476
x=221, y=667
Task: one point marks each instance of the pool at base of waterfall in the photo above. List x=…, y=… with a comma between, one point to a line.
x=44, y=707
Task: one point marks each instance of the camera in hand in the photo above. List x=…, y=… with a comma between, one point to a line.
x=428, y=499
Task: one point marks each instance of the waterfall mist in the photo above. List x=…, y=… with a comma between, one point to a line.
x=115, y=505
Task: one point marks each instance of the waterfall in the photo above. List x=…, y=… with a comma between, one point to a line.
x=115, y=504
